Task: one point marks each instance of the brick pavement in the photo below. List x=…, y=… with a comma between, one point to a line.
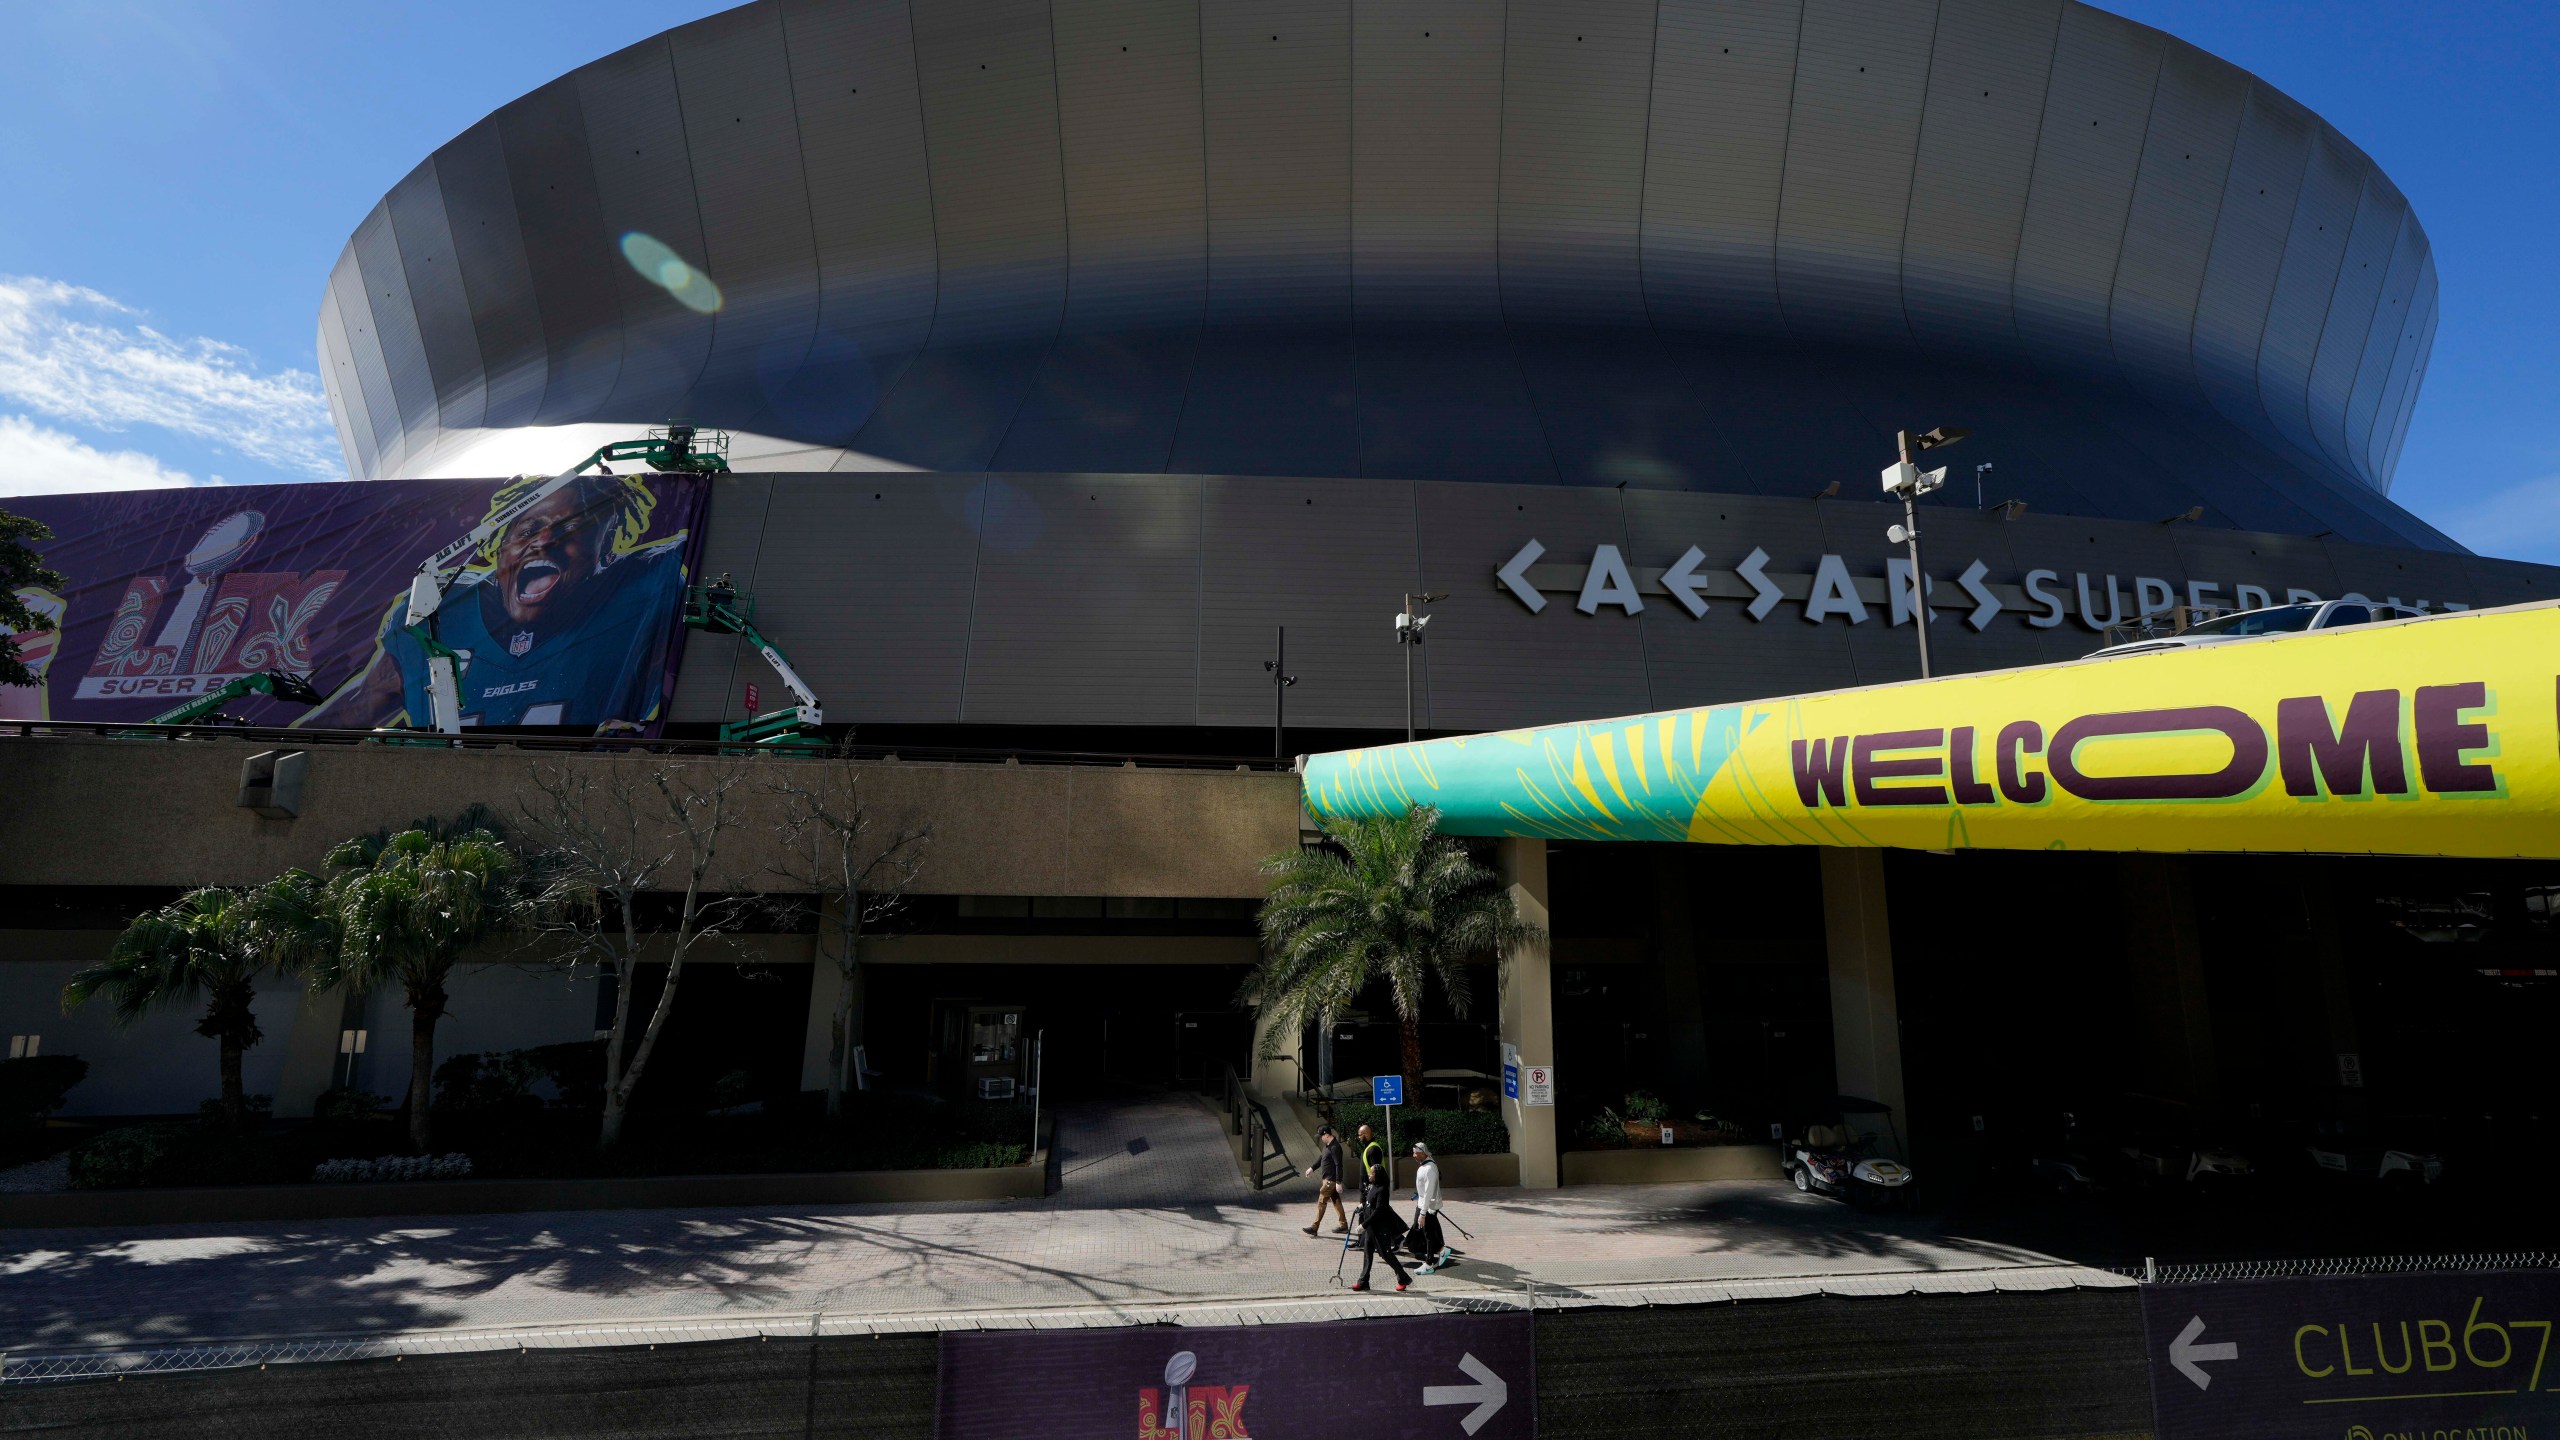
x=1150, y=1210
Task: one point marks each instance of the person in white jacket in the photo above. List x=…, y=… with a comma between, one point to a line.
x=1426, y=1240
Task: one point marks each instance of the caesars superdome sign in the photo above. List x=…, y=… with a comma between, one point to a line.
x=2043, y=598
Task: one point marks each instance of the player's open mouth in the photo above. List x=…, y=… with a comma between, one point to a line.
x=536, y=579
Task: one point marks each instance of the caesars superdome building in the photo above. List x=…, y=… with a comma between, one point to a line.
x=1182, y=322
x=1085, y=364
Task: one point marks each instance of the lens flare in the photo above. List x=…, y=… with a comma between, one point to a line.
x=666, y=269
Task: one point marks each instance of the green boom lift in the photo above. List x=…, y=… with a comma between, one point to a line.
x=719, y=609
x=207, y=708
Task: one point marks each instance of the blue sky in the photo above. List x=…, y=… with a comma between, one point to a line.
x=179, y=177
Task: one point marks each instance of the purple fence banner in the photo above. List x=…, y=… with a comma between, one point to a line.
x=1458, y=1376
x=572, y=617
x=2466, y=1355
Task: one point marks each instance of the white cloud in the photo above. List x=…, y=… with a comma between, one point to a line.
x=2521, y=522
x=79, y=357
x=38, y=460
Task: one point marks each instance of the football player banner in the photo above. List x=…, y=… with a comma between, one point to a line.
x=2433, y=736
x=573, y=616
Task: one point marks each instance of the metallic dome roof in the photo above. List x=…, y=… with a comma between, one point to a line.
x=1705, y=244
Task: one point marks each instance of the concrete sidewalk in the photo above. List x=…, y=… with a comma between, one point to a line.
x=1150, y=1212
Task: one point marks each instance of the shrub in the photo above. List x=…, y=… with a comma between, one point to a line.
x=345, y=1105
x=393, y=1167
x=34, y=1087
x=1646, y=1108
x=179, y=1154
x=491, y=1081
x=980, y=1155
x=256, y=1107
x=575, y=1069
x=1604, y=1131
x=1447, y=1132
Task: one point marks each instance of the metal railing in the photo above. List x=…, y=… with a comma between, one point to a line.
x=1258, y=1140
x=621, y=745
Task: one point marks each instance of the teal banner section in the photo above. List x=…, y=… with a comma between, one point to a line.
x=1639, y=777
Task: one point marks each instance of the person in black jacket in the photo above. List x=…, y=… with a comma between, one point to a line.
x=1328, y=1173
x=1381, y=1228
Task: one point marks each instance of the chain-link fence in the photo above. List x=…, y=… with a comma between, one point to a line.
x=2154, y=1272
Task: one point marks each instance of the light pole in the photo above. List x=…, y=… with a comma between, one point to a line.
x=1910, y=482
x=1281, y=680
x=1977, y=483
x=1409, y=633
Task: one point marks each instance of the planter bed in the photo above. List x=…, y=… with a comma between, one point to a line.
x=1665, y=1163
x=231, y=1203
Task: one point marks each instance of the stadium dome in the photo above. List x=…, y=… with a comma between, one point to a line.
x=1726, y=245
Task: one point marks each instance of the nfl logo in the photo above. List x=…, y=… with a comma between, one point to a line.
x=520, y=642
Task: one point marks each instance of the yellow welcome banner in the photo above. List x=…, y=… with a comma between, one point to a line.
x=2436, y=736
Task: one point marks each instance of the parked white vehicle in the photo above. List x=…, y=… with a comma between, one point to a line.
x=2256, y=624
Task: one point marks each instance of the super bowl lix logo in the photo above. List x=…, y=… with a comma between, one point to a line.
x=1184, y=1411
x=219, y=626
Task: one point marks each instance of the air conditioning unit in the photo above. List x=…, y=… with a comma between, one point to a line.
x=998, y=1087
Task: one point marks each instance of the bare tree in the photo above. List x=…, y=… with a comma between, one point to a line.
x=857, y=878
x=605, y=847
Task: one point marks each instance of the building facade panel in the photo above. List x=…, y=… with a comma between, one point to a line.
x=2323, y=218
x=431, y=272
x=2250, y=231
x=1129, y=98
x=1276, y=123
x=645, y=186
x=1724, y=77
x=1426, y=171
x=1575, y=98
x=861, y=133
x=567, y=246
x=2408, y=365
x=381, y=407
x=1086, y=604
x=1329, y=560
x=499, y=299
x=2096, y=115
x=742, y=135
x=1862, y=71
x=1976, y=162
x=2196, y=108
x=345, y=389
x=2381, y=341
x=395, y=327
x=2363, y=274
x=989, y=94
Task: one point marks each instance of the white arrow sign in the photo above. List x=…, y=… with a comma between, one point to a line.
x=2184, y=1352
x=1514, y=576
x=1487, y=1394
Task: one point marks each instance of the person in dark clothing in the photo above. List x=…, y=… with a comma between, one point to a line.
x=1381, y=1228
x=1328, y=1173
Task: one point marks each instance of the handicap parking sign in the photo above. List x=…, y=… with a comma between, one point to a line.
x=1386, y=1090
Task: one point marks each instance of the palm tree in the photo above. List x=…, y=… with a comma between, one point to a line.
x=408, y=906
x=215, y=943
x=1391, y=899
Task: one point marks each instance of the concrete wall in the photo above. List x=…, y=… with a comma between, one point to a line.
x=137, y=812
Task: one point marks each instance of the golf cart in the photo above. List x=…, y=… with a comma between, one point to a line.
x=1842, y=1161
x=2389, y=1156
